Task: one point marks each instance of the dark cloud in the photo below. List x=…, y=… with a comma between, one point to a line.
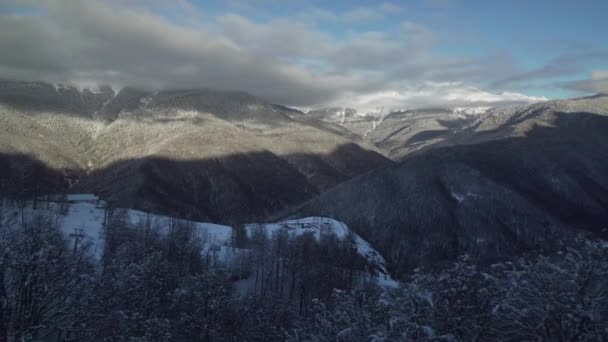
x=566, y=64
x=88, y=41
x=598, y=83
x=286, y=60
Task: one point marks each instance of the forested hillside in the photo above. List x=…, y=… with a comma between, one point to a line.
x=160, y=280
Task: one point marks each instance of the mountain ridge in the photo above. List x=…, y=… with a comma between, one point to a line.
x=137, y=129
x=525, y=182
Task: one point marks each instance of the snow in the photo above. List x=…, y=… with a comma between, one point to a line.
x=214, y=232
x=313, y=225
x=85, y=215
x=460, y=197
x=342, y=114
x=428, y=331
x=345, y=333
x=82, y=197
x=323, y=225
x=386, y=282
x=96, y=89
x=427, y=296
x=144, y=101
x=89, y=218
x=471, y=110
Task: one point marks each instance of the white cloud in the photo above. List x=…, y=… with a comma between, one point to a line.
x=287, y=60
x=362, y=15
x=599, y=75
x=598, y=83
x=390, y=7
x=354, y=16
x=439, y=3
x=436, y=94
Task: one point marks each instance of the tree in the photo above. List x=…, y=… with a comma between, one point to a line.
x=41, y=282
x=199, y=306
x=563, y=297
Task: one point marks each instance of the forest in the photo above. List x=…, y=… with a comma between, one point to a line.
x=160, y=284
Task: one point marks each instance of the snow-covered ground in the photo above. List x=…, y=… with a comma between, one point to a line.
x=323, y=225
x=85, y=215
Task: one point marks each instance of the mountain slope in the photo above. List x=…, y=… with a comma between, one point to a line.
x=85, y=214
x=401, y=133
x=206, y=154
x=538, y=175
x=360, y=124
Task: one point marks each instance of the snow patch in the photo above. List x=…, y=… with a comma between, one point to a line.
x=83, y=218
x=461, y=197
x=144, y=101
x=458, y=197
x=471, y=110
x=317, y=226
x=82, y=198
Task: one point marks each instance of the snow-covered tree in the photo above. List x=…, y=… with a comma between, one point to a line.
x=558, y=298
x=42, y=282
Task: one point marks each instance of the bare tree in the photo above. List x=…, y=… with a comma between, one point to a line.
x=41, y=282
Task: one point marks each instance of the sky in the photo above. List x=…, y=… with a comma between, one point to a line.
x=369, y=55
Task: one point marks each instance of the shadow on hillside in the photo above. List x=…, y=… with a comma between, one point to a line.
x=229, y=189
x=551, y=181
x=548, y=162
x=488, y=200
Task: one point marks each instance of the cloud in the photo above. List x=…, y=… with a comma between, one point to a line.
x=289, y=60
x=599, y=74
x=598, y=83
x=566, y=64
x=362, y=14
x=91, y=41
x=390, y=7
x=440, y=3
x=439, y=94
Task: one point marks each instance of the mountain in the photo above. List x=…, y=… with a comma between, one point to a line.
x=401, y=133
x=207, y=154
x=360, y=124
x=491, y=185
x=510, y=181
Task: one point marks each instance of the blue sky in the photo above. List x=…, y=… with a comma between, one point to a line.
x=534, y=33
x=365, y=54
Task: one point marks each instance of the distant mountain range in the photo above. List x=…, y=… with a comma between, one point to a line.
x=511, y=180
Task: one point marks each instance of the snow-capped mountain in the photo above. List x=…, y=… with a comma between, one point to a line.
x=471, y=110
x=401, y=132
x=359, y=123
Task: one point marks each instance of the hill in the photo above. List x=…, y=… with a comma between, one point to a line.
x=207, y=154
x=520, y=180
